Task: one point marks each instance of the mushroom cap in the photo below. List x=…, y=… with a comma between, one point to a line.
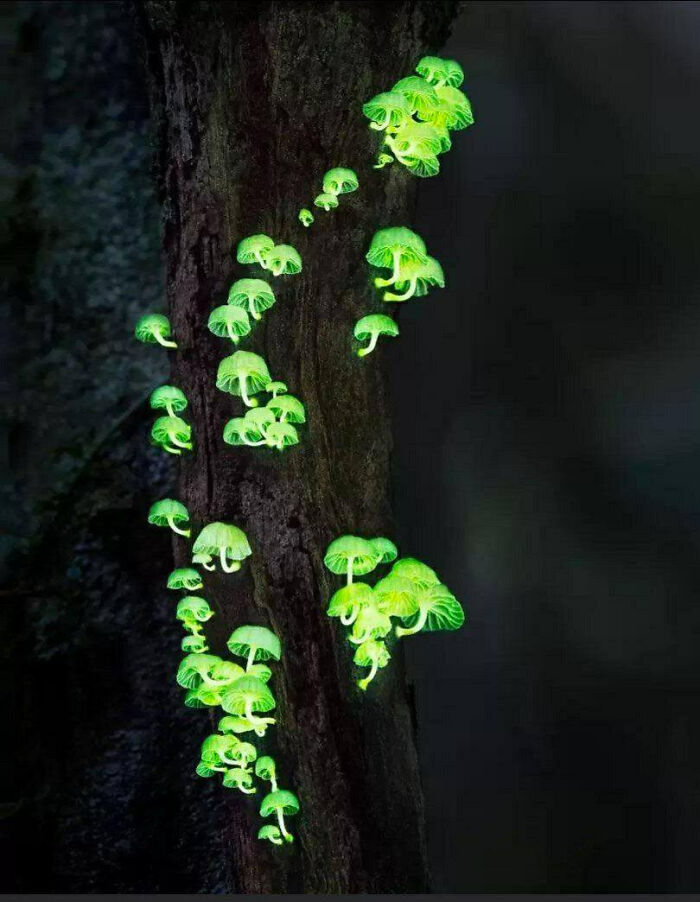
x=444, y=611
x=340, y=180
x=370, y=652
x=416, y=571
x=326, y=200
x=375, y=324
x=193, y=668
x=371, y=621
x=247, y=689
x=230, y=723
x=203, y=770
x=194, y=644
x=237, y=776
x=243, y=365
x=435, y=69
x=165, y=428
x=216, y=748
x=345, y=600
x=221, y=318
x=284, y=432
x=204, y=696
x=193, y=699
x=237, y=430
x=423, y=167
x=185, y=578
x=261, y=671
x=244, y=752
x=281, y=800
x=168, y=395
x=278, y=388
x=385, y=548
x=287, y=255
x=217, y=536
x=247, y=248
x=397, y=239
x=271, y=832
x=201, y=558
x=345, y=548
x=444, y=136
x=150, y=325
x=418, y=140
x=265, y=767
x=267, y=645
x=427, y=276
x=306, y=217
x=289, y=405
x=243, y=292
x=420, y=95
x=225, y=672
x=167, y=508
x=459, y=104
x=392, y=102
x=396, y=596
x=259, y=418
x=192, y=607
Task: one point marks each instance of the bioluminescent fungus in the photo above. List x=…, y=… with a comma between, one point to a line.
x=417, y=145
x=247, y=697
x=172, y=434
x=217, y=751
x=385, y=548
x=393, y=248
x=276, y=388
x=227, y=542
x=371, y=327
x=243, y=374
x=326, y=202
x=387, y=110
x=347, y=602
x=418, y=92
x=457, y=104
x=169, y=513
x=194, y=644
x=383, y=160
x=194, y=670
x=340, y=180
x=288, y=408
x=282, y=435
x=370, y=623
x=193, y=608
x=280, y=803
x=203, y=560
x=154, y=328
x=253, y=295
x=416, y=571
x=439, y=72
x=230, y=723
x=373, y=654
x=416, y=280
x=271, y=833
x=266, y=769
x=254, y=643
x=228, y=321
x=396, y=596
x=283, y=259
x=306, y=217
x=260, y=418
x=240, y=779
x=254, y=250
x=438, y=609
x=350, y=556
x=186, y=578
x=168, y=398
x=243, y=431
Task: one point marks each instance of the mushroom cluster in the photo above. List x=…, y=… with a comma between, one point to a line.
x=278, y=259
x=170, y=432
x=410, y=592
x=417, y=115
x=274, y=425
x=336, y=182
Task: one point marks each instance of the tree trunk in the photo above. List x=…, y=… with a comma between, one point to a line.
x=254, y=102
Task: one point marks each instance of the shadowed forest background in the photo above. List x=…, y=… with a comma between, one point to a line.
x=546, y=451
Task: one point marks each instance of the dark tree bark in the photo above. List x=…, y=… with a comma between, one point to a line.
x=254, y=102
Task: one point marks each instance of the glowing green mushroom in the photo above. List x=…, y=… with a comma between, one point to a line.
x=228, y=543
x=420, y=95
x=253, y=295
x=416, y=145
x=326, y=202
x=194, y=644
x=350, y=556
x=233, y=724
x=172, y=434
x=243, y=374
x=306, y=217
x=417, y=279
x=247, y=696
x=168, y=398
x=254, y=250
x=169, y=513
x=266, y=769
x=185, y=578
x=372, y=326
x=394, y=248
x=217, y=750
x=347, y=602
x=370, y=623
x=154, y=328
x=229, y=322
x=282, y=435
x=242, y=431
x=240, y=779
x=288, y=408
x=283, y=259
x=385, y=548
x=280, y=803
x=383, y=160
x=260, y=418
x=438, y=609
x=387, y=110
x=396, y=596
x=460, y=109
x=340, y=180
x=194, y=668
x=254, y=643
x=415, y=570
x=276, y=388
x=440, y=72
x=271, y=833
x=373, y=654
x=192, y=607
x=203, y=560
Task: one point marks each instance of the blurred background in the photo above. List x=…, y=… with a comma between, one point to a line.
x=547, y=440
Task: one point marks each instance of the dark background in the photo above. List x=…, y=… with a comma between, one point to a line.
x=547, y=440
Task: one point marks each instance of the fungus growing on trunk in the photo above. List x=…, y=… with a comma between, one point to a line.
x=172, y=434
x=283, y=259
x=350, y=556
x=168, y=398
x=252, y=295
x=223, y=541
x=373, y=654
x=169, y=512
x=243, y=374
x=306, y=217
x=371, y=327
x=280, y=803
x=185, y=578
x=254, y=250
x=340, y=180
x=439, y=72
x=154, y=328
x=229, y=322
x=392, y=249
x=416, y=280
x=387, y=110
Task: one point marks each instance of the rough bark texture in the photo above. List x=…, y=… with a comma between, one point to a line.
x=254, y=102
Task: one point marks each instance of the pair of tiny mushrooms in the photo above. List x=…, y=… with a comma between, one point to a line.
x=337, y=181
x=411, y=593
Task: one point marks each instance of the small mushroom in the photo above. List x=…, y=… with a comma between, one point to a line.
x=253, y=295
x=372, y=326
x=271, y=833
x=383, y=159
x=396, y=596
x=194, y=644
x=154, y=328
x=193, y=608
x=416, y=145
x=387, y=110
x=243, y=374
x=193, y=668
x=185, y=578
x=282, y=435
x=438, y=609
x=254, y=250
x=415, y=570
x=458, y=104
x=227, y=542
x=203, y=560
x=340, y=180
x=392, y=248
x=169, y=513
x=266, y=769
x=417, y=279
x=288, y=408
x=240, y=779
x=229, y=322
x=242, y=431
x=439, y=72
x=350, y=556
x=172, y=434
x=255, y=643
x=276, y=388
x=373, y=654
x=326, y=201
x=283, y=259
x=370, y=623
x=306, y=217
x=420, y=95
x=233, y=724
x=347, y=602
x=168, y=398
x=385, y=548
x=247, y=696
x=280, y=803
x=217, y=751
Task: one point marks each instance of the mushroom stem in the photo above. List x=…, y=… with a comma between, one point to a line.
x=171, y=450
x=178, y=444
x=359, y=640
x=163, y=341
x=251, y=718
x=251, y=309
x=349, y=570
x=252, y=651
x=169, y=408
x=349, y=619
x=283, y=829
x=248, y=792
x=364, y=683
x=260, y=260
x=180, y=532
x=225, y=566
x=380, y=126
x=417, y=627
x=231, y=334
x=262, y=441
x=408, y=293
x=208, y=567
x=371, y=346
x=249, y=402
